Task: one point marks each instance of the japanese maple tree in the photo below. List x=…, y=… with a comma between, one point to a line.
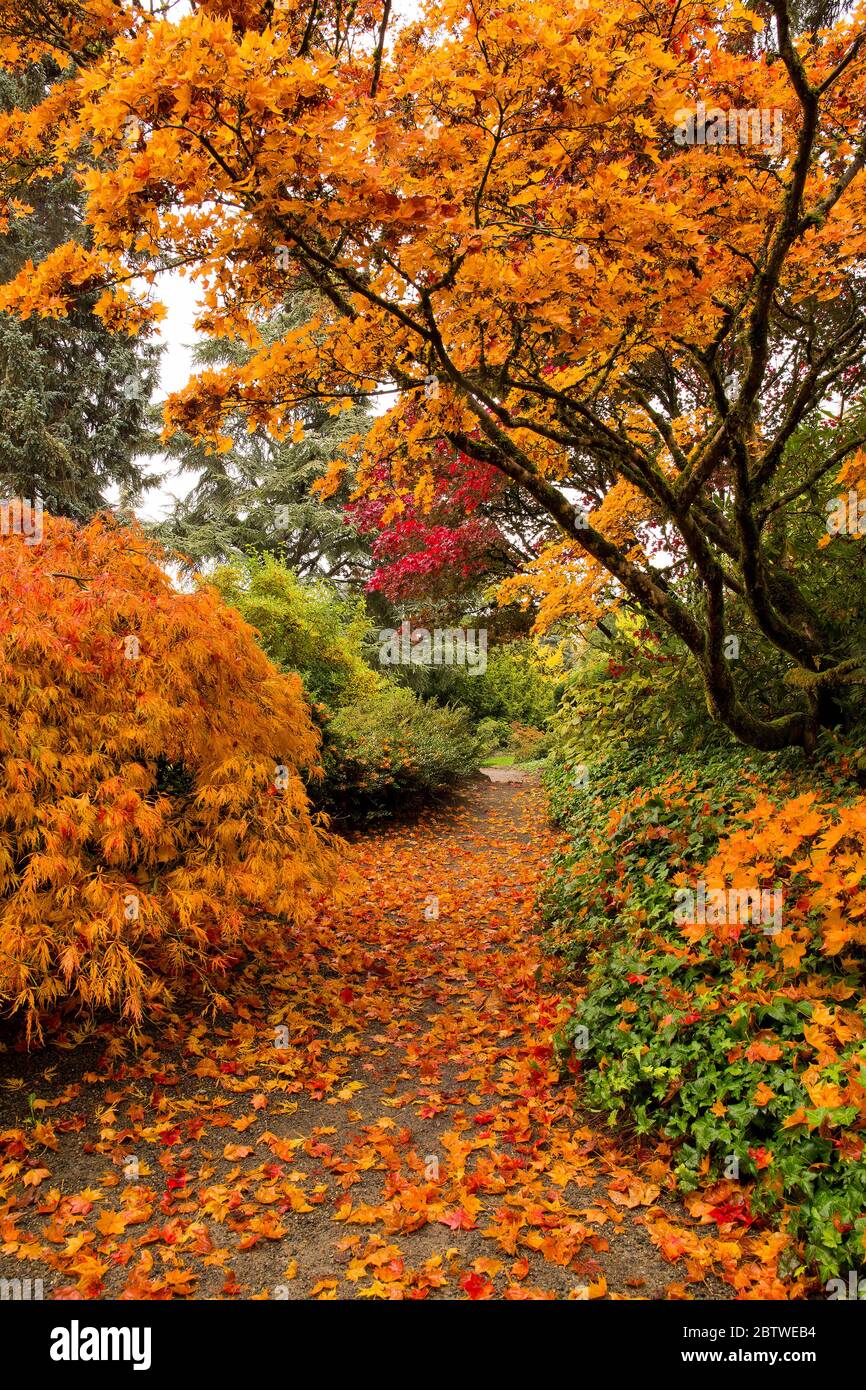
x=154, y=810
x=475, y=529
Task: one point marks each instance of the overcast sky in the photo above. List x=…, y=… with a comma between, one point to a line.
x=177, y=333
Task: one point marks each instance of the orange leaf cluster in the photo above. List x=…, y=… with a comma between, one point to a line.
x=153, y=762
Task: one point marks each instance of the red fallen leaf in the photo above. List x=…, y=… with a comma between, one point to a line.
x=167, y=1234
x=317, y=1149
x=172, y=1136
x=346, y=995
x=672, y=1246
x=72, y=1125
x=486, y=1119
x=123, y=1254
x=476, y=1286
x=457, y=1220
x=762, y=1157
x=177, y=1182
x=730, y=1213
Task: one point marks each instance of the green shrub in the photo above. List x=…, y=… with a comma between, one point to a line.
x=306, y=626
x=381, y=743
x=393, y=745
x=515, y=686
x=493, y=735
x=528, y=744
x=634, y=685
x=680, y=1033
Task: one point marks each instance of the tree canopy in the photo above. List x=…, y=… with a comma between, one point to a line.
x=612, y=251
x=74, y=397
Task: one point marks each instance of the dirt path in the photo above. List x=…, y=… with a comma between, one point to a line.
x=381, y=1117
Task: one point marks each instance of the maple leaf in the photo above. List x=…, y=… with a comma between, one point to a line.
x=112, y=1223
x=475, y=1286
x=34, y=1176
x=234, y=1152
x=457, y=1220
x=732, y=1213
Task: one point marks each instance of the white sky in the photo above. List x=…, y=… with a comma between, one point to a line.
x=178, y=334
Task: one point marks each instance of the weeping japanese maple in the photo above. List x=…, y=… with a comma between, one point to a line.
x=153, y=803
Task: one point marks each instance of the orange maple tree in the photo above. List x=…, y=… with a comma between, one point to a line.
x=152, y=764
x=510, y=230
